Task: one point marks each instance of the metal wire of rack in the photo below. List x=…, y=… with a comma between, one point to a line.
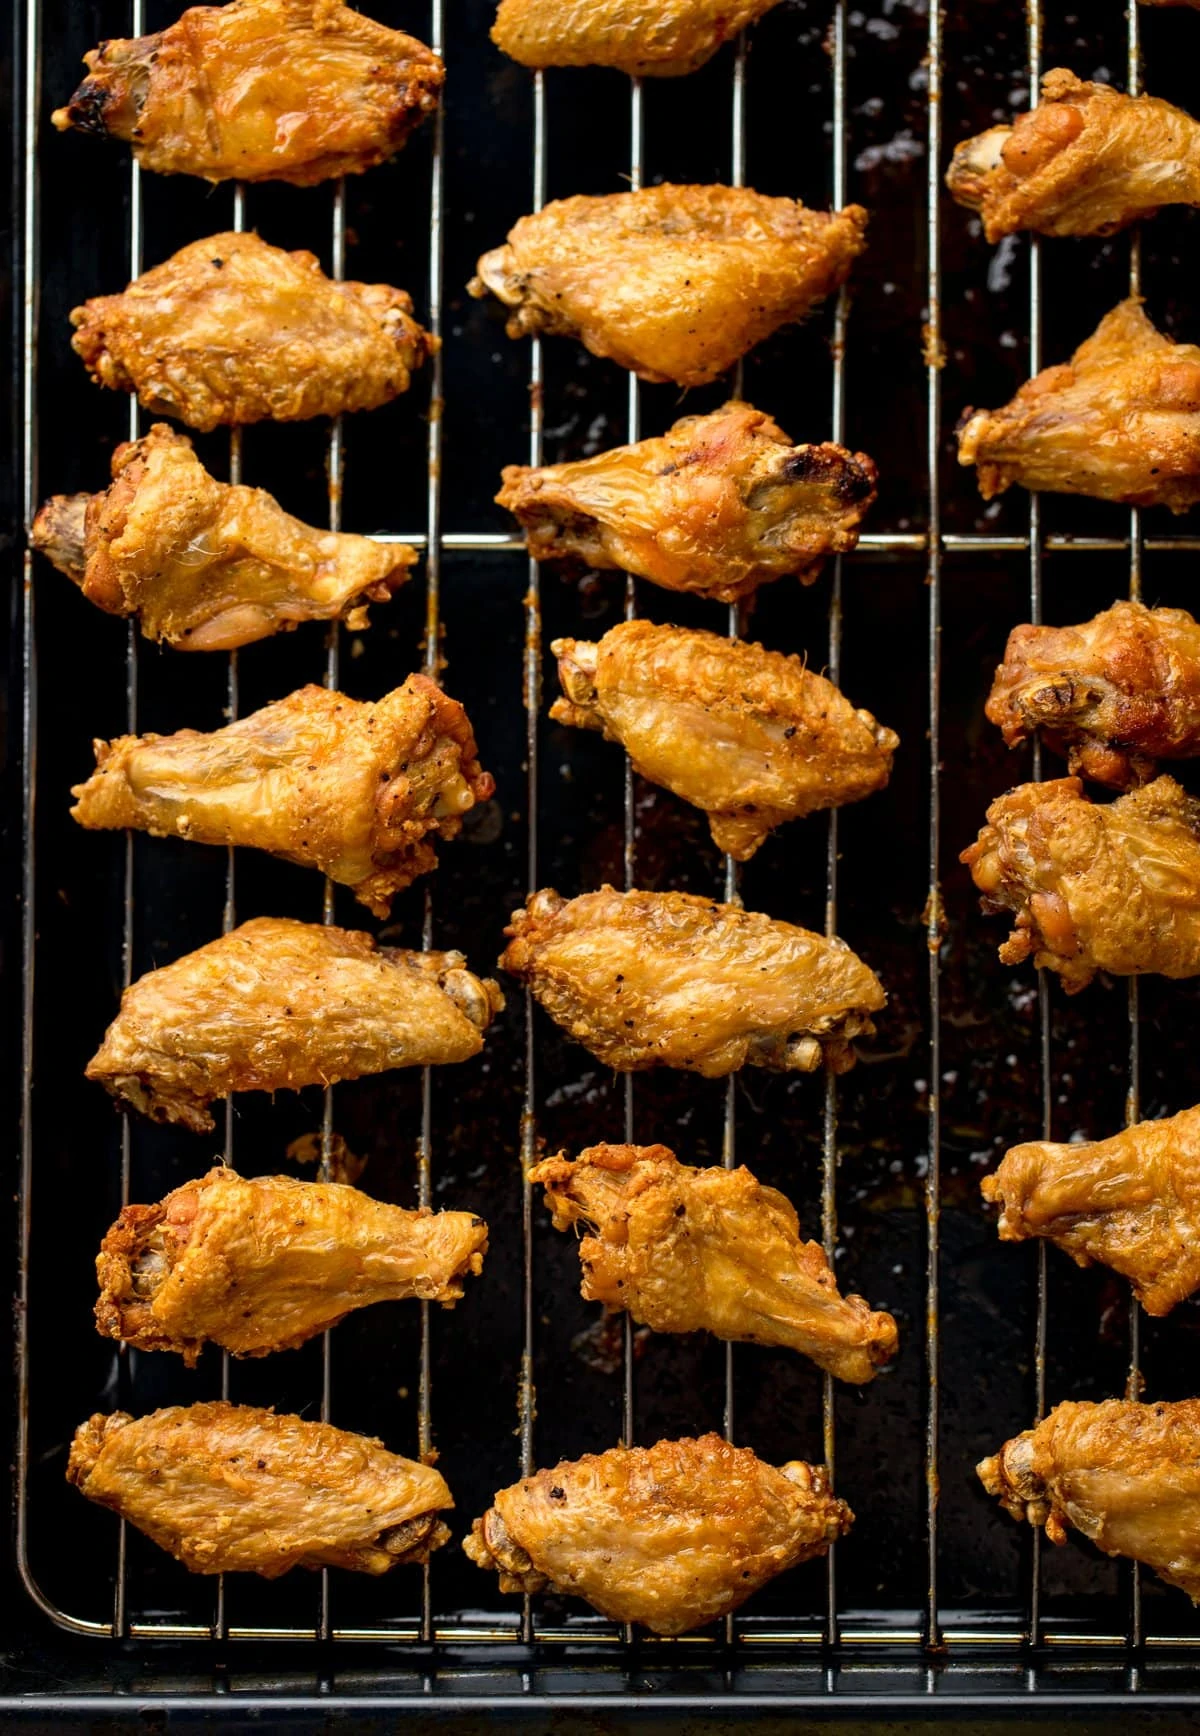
x=930, y=1634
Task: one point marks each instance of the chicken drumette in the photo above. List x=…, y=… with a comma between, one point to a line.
x=1119, y=421
x=666, y=40
x=1126, y=1475
x=719, y=505
x=228, y=1488
x=674, y=282
x=1114, y=695
x=354, y=789
x=751, y=736
x=708, y=1250
x=1113, y=888
x=1086, y=161
x=277, y=1005
x=669, y=1536
x=208, y=565
x=664, y=979
x=230, y=330
x=263, y=1265
x=260, y=90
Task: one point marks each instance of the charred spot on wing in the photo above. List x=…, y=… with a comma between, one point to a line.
x=87, y=108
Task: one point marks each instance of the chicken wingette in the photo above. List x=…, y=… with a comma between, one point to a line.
x=670, y=1536
x=206, y=565
x=1086, y=161
x=1119, y=421
x=667, y=40
x=718, y=505
x=665, y=979
x=277, y=1005
x=750, y=736
x=231, y=330
x=1127, y=1475
x=1094, y=887
x=259, y=90
x=1131, y=1202
x=1114, y=695
x=708, y=1250
x=262, y=1265
x=675, y=283
x=228, y=1488
x=357, y=790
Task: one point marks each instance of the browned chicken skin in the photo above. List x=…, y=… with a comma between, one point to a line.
x=1093, y=887
x=1119, y=421
x=670, y=1536
x=1131, y=1202
x=664, y=979
x=1086, y=161
x=1114, y=695
x=1126, y=1475
x=666, y=40
x=208, y=565
x=354, y=789
x=277, y=1005
x=675, y=283
x=260, y=90
x=228, y=1488
x=230, y=330
x=708, y=1250
x=751, y=736
x=262, y=1265
x=719, y=505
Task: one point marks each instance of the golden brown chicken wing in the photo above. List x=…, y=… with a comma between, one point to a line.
x=354, y=789
x=1131, y=1202
x=1086, y=161
x=719, y=505
x=670, y=1536
x=663, y=979
x=1113, y=888
x=708, y=1250
x=229, y=1488
x=752, y=737
x=1114, y=695
x=263, y=1265
x=277, y=1005
x=675, y=283
x=260, y=90
x=667, y=40
x=1126, y=1475
x=1119, y=421
x=208, y=565
x=231, y=330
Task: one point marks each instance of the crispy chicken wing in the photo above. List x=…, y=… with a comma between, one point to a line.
x=263, y=1265
x=719, y=505
x=670, y=1536
x=708, y=1250
x=229, y=1488
x=260, y=90
x=1114, y=695
x=1086, y=161
x=1126, y=1475
x=277, y=1005
x=1113, y=888
x=667, y=40
x=751, y=736
x=663, y=979
x=208, y=565
x=1119, y=421
x=354, y=789
x=1131, y=1202
x=674, y=282
x=231, y=330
